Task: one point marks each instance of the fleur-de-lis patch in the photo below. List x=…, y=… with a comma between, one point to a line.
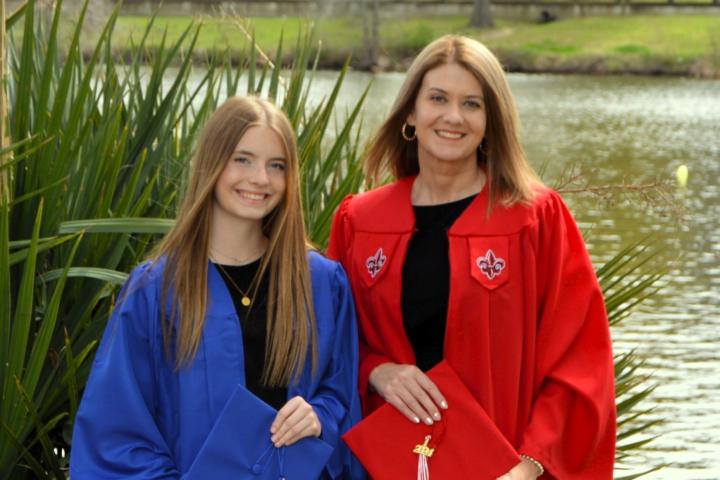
x=490, y=265
x=375, y=263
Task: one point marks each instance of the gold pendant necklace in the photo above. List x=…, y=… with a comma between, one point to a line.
x=245, y=300
x=236, y=260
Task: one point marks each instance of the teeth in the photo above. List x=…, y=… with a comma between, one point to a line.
x=451, y=135
x=252, y=196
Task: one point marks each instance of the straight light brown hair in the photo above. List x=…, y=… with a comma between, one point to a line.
x=511, y=179
x=290, y=317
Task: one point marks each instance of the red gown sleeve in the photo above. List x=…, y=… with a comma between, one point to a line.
x=572, y=425
x=340, y=234
x=340, y=249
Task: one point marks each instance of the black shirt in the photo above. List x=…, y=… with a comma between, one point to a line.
x=253, y=322
x=426, y=280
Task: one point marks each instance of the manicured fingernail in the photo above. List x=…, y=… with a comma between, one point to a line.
x=443, y=404
x=436, y=416
x=416, y=420
x=428, y=420
x=273, y=438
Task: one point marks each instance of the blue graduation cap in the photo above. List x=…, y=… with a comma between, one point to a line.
x=239, y=446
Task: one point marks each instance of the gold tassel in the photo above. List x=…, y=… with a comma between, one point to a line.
x=424, y=452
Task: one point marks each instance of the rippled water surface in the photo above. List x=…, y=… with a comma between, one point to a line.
x=636, y=130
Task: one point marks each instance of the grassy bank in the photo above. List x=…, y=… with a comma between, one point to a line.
x=677, y=45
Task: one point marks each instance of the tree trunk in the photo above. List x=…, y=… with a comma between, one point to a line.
x=481, y=16
x=371, y=32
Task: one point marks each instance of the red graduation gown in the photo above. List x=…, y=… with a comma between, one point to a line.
x=527, y=330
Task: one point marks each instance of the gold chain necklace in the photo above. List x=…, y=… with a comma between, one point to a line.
x=238, y=261
x=245, y=300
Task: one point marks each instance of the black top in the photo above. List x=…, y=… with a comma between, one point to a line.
x=254, y=329
x=426, y=280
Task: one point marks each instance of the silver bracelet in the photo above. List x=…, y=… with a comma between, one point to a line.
x=537, y=464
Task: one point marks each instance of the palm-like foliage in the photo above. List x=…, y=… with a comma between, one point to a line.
x=625, y=285
x=98, y=155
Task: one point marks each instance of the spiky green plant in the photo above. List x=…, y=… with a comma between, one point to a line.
x=626, y=283
x=100, y=151
x=97, y=157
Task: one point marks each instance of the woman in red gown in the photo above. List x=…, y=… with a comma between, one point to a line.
x=467, y=257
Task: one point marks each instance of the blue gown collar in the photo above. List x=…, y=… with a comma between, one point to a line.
x=220, y=303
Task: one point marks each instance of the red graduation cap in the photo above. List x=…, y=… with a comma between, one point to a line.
x=464, y=444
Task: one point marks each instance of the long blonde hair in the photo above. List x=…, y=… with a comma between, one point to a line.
x=511, y=179
x=185, y=249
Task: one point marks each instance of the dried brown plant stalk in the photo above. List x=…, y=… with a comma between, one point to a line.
x=658, y=195
x=243, y=24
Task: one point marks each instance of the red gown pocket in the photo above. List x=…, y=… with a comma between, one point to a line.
x=374, y=255
x=489, y=260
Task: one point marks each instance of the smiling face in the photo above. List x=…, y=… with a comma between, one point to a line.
x=449, y=116
x=253, y=181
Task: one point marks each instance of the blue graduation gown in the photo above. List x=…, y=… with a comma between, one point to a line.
x=142, y=418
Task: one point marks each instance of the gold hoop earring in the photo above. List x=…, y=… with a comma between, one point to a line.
x=403, y=132
x=483, y=146
x=482, y=151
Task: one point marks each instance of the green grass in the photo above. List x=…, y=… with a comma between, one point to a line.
x=682, y=45
x=632, y=49
x=671, y=44
x=220, y=33
x=340, y=37
x=689, y=36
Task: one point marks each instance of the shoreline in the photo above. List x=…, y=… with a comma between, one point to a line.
x=512, y=61
x=683, y=45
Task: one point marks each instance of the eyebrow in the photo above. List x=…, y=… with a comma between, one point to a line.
x=251, y=154
x=440, y=90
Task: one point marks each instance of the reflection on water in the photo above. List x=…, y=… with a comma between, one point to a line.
x=635, y=130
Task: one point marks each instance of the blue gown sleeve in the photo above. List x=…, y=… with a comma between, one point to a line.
x=336, y=401
x=115, y=434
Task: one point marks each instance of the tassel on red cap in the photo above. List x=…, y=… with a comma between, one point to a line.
x=423, y=451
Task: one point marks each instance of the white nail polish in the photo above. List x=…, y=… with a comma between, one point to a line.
x=416, y=420
x=428, y=420
x=443, y=404
x=436, y=416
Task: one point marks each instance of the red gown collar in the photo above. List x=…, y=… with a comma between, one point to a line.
x=392, y=210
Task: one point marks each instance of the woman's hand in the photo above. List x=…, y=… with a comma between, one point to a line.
x=295, y=420
x=525, y=470
x=409, y=390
